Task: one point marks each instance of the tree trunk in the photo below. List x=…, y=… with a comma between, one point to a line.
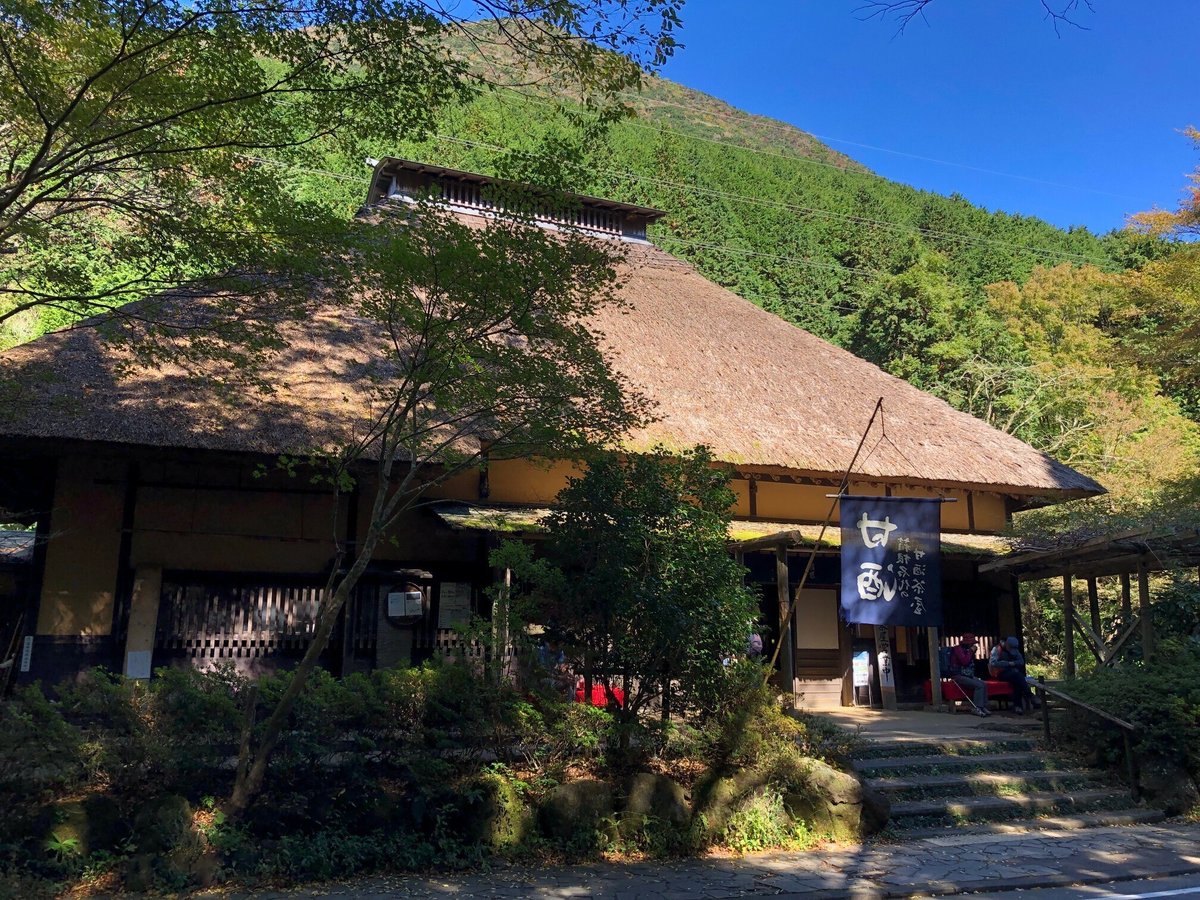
x=250, y=779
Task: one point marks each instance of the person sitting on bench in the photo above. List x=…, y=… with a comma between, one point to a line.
x=962, y=672
x=1007, y=664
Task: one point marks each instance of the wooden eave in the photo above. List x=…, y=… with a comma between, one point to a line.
x=1111, y=554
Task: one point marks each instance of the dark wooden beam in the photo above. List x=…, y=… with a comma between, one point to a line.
x=1068, y=627
x=1126, y=599
x=1043, y=557
x=1143, y=573
x=1094, y=603
x=768, y=542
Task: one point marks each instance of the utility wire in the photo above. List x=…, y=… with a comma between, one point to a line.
x=768, y=122
x=784, y=127
x=794, y=207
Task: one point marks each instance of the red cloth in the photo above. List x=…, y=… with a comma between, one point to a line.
x=952, y=691
x=599, y=697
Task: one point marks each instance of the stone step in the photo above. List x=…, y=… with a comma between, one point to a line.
x=1020, y=759
x=1073, y=822
x=983, y=783
x=952, y=747
x=1002, y=806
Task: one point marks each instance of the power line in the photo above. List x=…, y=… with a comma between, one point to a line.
x=784, y=127
x=803, y=260
x=774, y=154
x=766, y=121
x=810, y=210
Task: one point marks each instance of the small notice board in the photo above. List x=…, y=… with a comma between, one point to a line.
x=404, y=604
x=454, y=603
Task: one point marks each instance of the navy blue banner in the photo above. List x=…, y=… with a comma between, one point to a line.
x=891, y=561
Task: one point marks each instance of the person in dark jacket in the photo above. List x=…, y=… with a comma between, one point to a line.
x=962, y=672
x=1007, y=664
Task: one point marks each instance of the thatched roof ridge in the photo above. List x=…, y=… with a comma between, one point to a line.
x=720, y=371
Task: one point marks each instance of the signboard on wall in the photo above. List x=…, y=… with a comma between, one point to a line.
x=454, y=603
x=861, y=666
x=891, y=561
x=405, y=604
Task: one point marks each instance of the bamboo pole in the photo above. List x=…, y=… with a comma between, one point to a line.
x=812, y=556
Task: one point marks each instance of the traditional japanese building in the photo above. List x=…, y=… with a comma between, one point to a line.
x=161, y=541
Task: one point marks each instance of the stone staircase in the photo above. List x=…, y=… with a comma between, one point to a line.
x=991, y=783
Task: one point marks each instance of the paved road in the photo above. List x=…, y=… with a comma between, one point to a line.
x=936, y=866
x=1184, y=887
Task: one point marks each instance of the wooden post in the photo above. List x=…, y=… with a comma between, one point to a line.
x=786, y=669
x=1143, y=573
x=1094, y=603
x=1126, y=601
x=886, y=663
x=1068, y=627
x=935, y=675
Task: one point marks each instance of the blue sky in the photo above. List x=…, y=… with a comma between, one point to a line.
x=986, y=84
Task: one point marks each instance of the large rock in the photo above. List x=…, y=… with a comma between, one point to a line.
x=716, y=797
x=575, y=809
x=1168, y=785
x=657, y=797
x=654, y=810
x=163, y=824
x=837, y=803
x=499, y=819
x=91, y=824
x=172, y=850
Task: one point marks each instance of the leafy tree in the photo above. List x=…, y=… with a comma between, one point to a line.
x=1087, y=403
x=147, y=146
x=636, y=578
x=470, y=339
x=1162, y=328
x=1181, y=223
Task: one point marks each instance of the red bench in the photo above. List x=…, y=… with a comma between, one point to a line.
x=952, y=693
x=599, y=697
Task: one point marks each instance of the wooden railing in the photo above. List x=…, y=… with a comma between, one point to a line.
x=1127, y=730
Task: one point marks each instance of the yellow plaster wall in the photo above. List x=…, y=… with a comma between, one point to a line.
x=463, y=486
x=990, y=512
x=82, y=553
x=778, y=500
x=955, y=515
x=741, y=487
x=523, y=481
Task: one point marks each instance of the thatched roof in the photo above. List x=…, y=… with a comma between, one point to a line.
x=760, y=391
x=719, y=370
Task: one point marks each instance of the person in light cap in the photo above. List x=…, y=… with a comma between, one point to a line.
x=962, y=672
x=1007, y=664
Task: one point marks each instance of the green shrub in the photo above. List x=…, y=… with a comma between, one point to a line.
x=39, y=749
x=1162, y=699
x=761, y=822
